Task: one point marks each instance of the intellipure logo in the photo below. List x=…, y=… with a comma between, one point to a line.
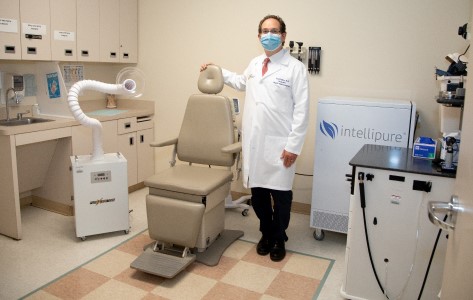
x=333, y=130
x=101, y=201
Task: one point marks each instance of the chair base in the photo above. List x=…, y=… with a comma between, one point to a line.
x=168, y=266
x=212, y=255
x=242, y=202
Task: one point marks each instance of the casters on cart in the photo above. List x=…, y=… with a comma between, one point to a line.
x=83, y=238
x=242, y=202
x=319, y=234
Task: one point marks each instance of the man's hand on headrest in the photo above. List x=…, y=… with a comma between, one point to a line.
x=204, y=66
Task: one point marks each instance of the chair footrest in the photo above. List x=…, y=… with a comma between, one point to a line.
x=161, y=264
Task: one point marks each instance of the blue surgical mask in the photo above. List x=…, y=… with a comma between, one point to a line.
x=270, y=41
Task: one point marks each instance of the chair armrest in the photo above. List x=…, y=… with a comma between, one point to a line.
x=233, y=148
x=164, y=143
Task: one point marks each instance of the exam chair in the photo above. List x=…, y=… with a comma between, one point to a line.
x=186, y=202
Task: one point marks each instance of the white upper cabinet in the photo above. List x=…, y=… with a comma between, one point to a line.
x=109, y=30
x=63, y=30
x=10, y=29
x=35, y=30
x=88, y=35
x=128, y=31
x=69, y=30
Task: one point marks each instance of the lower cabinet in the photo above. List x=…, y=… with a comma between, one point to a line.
x=82, y=143
x=130, y=136
x=134, y=137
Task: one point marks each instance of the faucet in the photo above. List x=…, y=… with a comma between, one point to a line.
x=6, y=101
x=19, y=116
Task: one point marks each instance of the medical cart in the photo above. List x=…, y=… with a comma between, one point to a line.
x=393, y=251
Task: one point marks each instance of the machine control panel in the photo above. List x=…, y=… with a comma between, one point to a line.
x=101, y=176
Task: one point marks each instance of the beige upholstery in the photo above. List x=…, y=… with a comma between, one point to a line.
x=202, y=134
x=168, y=213
x=212, y=80
x=186, y=202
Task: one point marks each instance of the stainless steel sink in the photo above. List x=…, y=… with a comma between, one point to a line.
x=23, y=121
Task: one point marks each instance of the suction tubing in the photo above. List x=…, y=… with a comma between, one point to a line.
x=127, y=87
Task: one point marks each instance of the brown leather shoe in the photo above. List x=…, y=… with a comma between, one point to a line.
x=278, y=251
x=264, y=246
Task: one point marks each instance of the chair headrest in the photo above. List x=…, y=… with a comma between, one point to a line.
x=211, y=80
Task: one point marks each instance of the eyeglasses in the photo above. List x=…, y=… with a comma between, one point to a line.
x=273, y=31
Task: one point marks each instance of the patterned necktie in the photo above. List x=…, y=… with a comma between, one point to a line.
x=265, y=65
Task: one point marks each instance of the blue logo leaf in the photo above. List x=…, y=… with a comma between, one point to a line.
x=329, y=129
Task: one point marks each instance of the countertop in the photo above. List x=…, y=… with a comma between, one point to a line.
x=395, y=159
x=129, y=108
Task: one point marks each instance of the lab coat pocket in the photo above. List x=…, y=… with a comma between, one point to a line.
x=273, y=148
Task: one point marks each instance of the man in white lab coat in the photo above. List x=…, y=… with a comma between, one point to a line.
x=275, y=119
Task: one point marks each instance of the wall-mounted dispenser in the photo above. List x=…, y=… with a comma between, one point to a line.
x=314, y=60
x=8, y=81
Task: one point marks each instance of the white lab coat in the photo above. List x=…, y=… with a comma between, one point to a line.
x=275, y=118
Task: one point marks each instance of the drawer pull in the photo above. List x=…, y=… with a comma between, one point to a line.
x=9, y=49
x=31, y=50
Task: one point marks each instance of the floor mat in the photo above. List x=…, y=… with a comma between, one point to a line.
x=240, y=274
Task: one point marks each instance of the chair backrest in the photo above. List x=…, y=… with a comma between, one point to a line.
x=208, y=123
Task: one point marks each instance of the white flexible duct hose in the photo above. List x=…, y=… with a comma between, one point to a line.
x=127, y=87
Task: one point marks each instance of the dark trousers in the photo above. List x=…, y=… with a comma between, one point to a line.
x=274, y=217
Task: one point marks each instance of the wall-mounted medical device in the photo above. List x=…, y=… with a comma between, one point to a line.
x=314, y=60
x=463, y=31
x=298, y=51
x=236, y=106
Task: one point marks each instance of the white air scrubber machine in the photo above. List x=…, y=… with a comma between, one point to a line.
x=100, y=180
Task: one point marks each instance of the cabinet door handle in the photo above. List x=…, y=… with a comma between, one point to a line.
x=451, y=209
x=132, y=141
x=31, y=50
x=142, y=138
